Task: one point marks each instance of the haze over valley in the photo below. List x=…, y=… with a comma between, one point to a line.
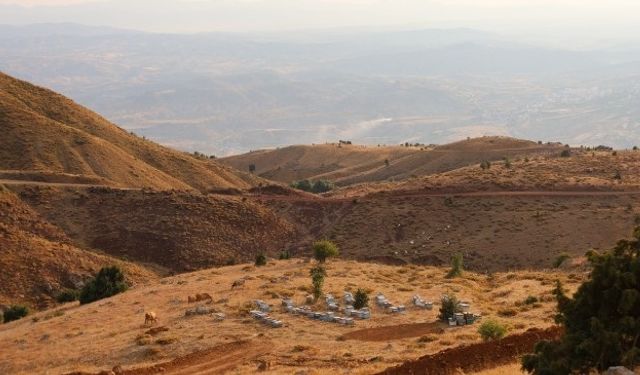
x=228, y=93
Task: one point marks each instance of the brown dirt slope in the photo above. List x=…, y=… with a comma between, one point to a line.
x=47, y=132
x=178, y=230
x=583, y=171
x=350, y=164
x=37, y=259
x=493, y=231
x=476, y=357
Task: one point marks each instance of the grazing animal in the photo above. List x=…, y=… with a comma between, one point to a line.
x=150, y=318
x=237, y=284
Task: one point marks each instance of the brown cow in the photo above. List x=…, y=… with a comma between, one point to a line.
x=150, y=318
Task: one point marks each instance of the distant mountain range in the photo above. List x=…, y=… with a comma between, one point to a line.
x=223, y=93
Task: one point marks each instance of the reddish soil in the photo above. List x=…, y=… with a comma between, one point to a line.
x=395, y=332
x=215, y=360
x=476, y=357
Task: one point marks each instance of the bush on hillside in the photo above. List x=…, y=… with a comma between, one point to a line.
x=565, y=153
x=491, y=330
x=601, y=321
x=560, y=259
x=456, y=266
x=318, y=275
x=324, y=249
x=361, y=299
x=285, y=254
x=449, y=305
x=108, y=282
x=68, y=295
x=261, y=260
x=317, y=187
x=15, y=312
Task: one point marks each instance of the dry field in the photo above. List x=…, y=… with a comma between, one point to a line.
x=352, y=164
x=110, y=332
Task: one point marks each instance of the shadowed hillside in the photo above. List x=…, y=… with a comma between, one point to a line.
x=350, y=164
x=37, y=259
x=44, y=132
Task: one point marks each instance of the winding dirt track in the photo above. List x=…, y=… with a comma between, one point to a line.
x=213, y=361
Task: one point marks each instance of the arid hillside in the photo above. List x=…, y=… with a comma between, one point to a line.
x=582, y=171
x=99, y=336
x=346, y=164
x=37, y=260
x=44, y=134
x=180, y=231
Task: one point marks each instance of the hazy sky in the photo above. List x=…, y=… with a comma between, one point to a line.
x=595, y=18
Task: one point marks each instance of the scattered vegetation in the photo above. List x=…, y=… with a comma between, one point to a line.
x=449, y=305
x=109, y=282
x=492, y=330
x=15, y=312
x=565, y=153
x=318, y=274
x=261, y=260
x=361, y=299
x=324, y=249
x=456, y=266
x=560, y=259
x=601, y=321
x=530, y=300
x=285, y=254
x=485, y=165
x=317, y=187
x=68, y=295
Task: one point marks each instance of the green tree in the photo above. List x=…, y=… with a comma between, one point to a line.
x=318, y=274
x=324, y=249
x=602, y=320
x=456, y=266
x=322, y=186
x=261, y=260
x=449, y=305
x=15, y=312
x=360, y=299
x=491, y=330
x=108, y=282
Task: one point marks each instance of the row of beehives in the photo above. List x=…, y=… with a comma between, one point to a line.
x=327, y=316
x=265, y=318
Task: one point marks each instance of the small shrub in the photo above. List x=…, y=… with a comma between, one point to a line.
x=109, y=282
x=565, y=153
x=361, y=299
x=485, y=165
x=68, y=295
x=449, y=305
x=285, y=255
x=456, y=266
x=318, y=274
x=617, y=176
x=261, y=260
x=560, y=259
x=15, y=312
x=491, y=330
x=530, y=300
x=324, y=249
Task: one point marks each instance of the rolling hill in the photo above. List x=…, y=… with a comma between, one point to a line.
x=350, y=164
x=46, y=133
x=38, y=259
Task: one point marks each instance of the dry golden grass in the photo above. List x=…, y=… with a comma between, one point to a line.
x=351, y=164
x=110, y=332
x=46, y=132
